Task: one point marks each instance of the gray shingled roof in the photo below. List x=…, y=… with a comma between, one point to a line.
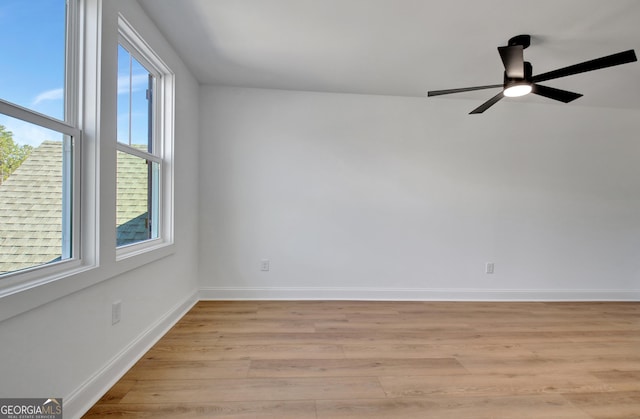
x=31, y=213
x=131, y=195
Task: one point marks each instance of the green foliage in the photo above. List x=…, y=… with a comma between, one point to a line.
x=11, y=154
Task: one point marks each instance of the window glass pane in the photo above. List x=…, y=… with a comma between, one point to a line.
x=35, y=195
x=32, y=41
x=136, y=200
x=134, y=101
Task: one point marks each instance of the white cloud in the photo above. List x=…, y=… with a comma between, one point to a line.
x=138, y=82
x=25, y=133
x=54, y=94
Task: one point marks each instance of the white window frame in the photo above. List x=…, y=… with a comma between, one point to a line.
x=163, y=133
x=32, y=276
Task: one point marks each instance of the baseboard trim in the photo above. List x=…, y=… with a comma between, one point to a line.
x=85, y=396
x=414, y=294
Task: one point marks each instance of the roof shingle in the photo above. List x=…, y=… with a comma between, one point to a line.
x=31, y=208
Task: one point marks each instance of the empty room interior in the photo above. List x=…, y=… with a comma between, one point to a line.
x=321, y=209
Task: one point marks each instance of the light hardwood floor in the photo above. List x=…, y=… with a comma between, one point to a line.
x=346, y=359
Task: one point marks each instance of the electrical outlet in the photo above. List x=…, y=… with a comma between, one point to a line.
x=264, y=265
x=488, y=268
x=116, y=312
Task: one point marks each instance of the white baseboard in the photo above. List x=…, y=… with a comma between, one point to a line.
x=414, y=294
x=85, y=396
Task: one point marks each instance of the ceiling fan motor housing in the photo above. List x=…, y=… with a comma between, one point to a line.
x=528, y=73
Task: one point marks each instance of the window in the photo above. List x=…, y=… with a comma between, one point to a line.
x=144, y=143
x=39, y=137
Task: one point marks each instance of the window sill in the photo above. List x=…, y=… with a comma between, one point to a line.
x=140, y=249
x=21, y=298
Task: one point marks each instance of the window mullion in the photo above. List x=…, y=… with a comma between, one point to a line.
x=130, y=94
x=72, y=72
x=67, y=197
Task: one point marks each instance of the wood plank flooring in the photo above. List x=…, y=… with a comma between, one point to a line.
x=356, y=360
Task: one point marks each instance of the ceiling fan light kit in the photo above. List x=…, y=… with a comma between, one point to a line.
x=517, y=89
x=520, y=81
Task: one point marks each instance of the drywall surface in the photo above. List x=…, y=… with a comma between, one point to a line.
x=68, y=347
x=354, y=196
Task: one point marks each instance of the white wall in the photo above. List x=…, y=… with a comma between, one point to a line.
x=68, y=347
x=377, y=197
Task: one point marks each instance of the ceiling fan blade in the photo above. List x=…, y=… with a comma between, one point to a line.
x=603, y=62
x=464, y=89
x=486, y=105
x=513, y=60
x=555, y=94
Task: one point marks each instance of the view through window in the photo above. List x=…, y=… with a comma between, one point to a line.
x=138, y=157
x=37, y=136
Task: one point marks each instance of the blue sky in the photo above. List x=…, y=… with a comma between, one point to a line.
x=31, y=38
x=32, y=41
x=133, y=80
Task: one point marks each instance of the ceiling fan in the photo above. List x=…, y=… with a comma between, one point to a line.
x=519, y=80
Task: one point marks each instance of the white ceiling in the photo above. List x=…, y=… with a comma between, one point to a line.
x=401, y=47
